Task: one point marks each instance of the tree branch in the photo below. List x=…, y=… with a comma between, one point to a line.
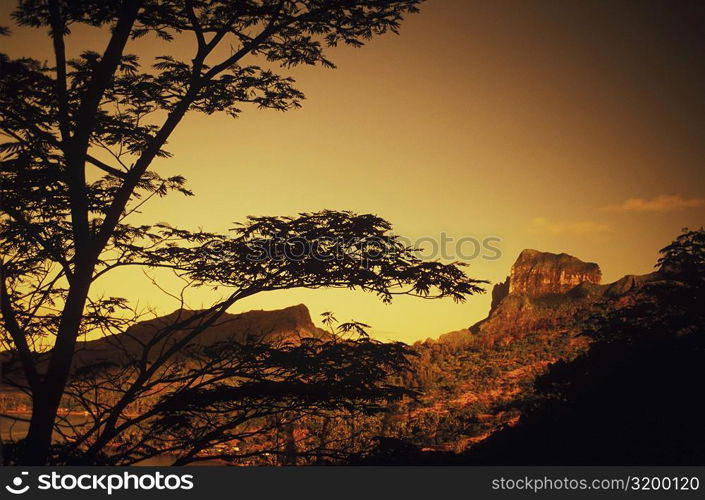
x=105, y=167
x=54, y=253
x=85, y=123
x=57, y=36
x=197, y=29
x=123, y=195
x=18, y=337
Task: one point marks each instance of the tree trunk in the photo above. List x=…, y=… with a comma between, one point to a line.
x=47, y=398
x=37, y=445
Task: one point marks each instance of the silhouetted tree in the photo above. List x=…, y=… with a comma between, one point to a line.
x=83, y=134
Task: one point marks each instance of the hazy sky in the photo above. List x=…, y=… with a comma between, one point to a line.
x=573, y=127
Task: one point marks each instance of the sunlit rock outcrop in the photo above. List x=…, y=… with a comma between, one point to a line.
x=537, y=273
x=544, y=292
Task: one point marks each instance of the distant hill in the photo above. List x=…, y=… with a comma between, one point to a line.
x=288, y=323
x=291, y=322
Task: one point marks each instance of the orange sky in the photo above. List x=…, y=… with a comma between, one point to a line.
x=533, y=122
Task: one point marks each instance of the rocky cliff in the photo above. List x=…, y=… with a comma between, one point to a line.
x=543, y=292
x=537, y=273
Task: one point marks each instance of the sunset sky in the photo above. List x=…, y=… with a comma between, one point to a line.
x=574, y=127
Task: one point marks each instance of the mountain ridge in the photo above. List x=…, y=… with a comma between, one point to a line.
x=257, y=325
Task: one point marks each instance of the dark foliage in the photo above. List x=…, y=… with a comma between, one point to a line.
x=81, y=139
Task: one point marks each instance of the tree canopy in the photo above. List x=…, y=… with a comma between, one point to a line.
x=85, y=147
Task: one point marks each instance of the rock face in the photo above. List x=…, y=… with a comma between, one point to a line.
x=537, y=273
x=499, y=291
x=544, y=292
